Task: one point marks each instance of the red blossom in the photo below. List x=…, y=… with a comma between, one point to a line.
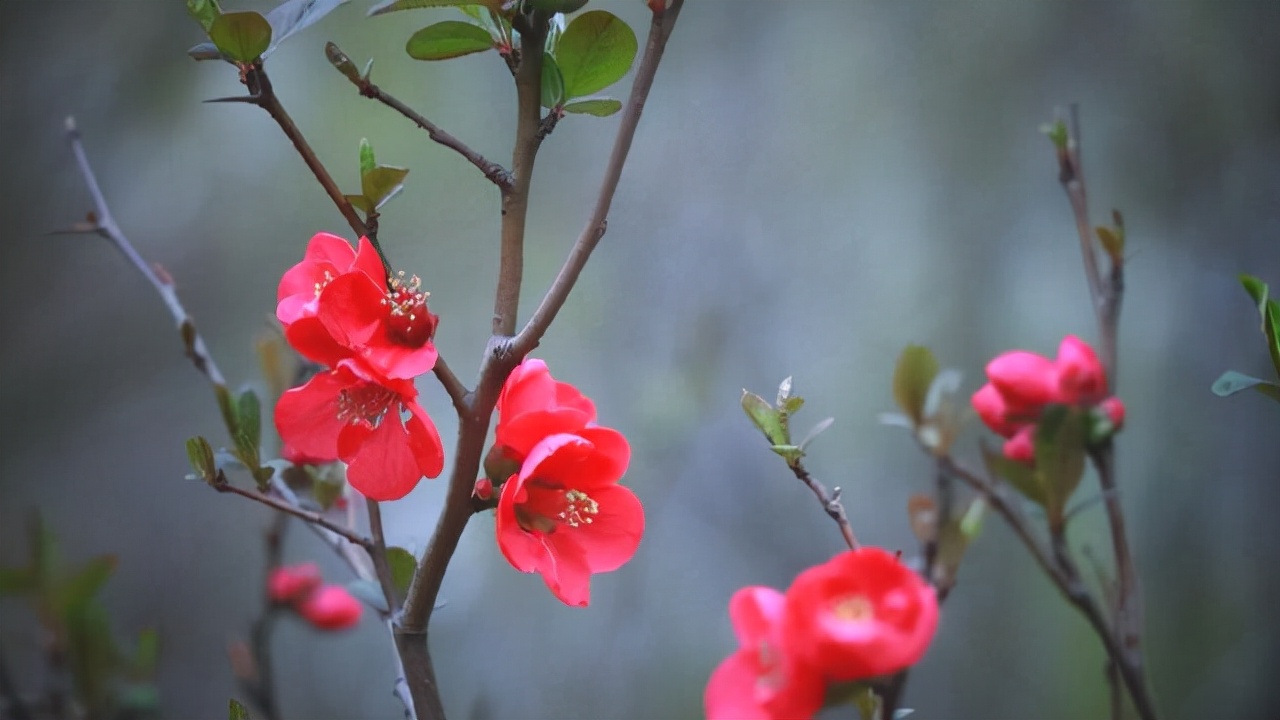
x=1022, y=446
x=1081, y=378
x=860, y=615
x=1113, y=408
x=762, y=680
x=534, y=405
x=1024, y=379
x=327, y=256
x=352, y=414
x=565, y=516
x=293, y=583
x=331, y=608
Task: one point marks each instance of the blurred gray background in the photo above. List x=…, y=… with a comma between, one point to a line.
x=813, y=185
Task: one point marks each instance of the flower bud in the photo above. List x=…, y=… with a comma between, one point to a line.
x=483, y=489
x=1021, y=447
x=1113, y=408
x=1024, y=379
x=1081, y=378
x=293, y=583
x=331, y=608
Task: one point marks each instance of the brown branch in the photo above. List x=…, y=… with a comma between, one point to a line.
x=452, y=385
x=659, y=32
x=830, y=502
x=102, y=223
x=378, y=553
x=277, y=504
x=492, y=170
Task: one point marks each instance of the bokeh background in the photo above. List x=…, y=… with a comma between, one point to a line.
x=813, y=186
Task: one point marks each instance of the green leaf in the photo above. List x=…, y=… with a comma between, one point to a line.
x=339, y=60
x=1057, y=134
x=241, y=36
x=227, y=409
x=14, y=581
x=768, y=419
x=552, y=83
x=204, y=12
x=912, y=377
x=293, y=16
x=817, y=430
x=448, y=39
x=360, y=203
x=1232, y=382
x=327, y=490
x=600, y=107
x=403, y=566
x=367, y=160
x=146, y=655
x=200, y=453
x=1021, y=477
x=81, y=588
x=791, y=453
x=595, y=51
x=237, y=711
x=1060, y=457
x=1257, y=290
x=370, y=593
x=1269, y=312
x=394, y=5
x=557, y=6
x=382, y=183
x=249, y=416
x=1112, y=240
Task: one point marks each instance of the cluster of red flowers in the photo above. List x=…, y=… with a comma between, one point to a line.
x=861, y=615
x=327, y=607
x=561, y=512
x=373, y=334
x=1022, y=384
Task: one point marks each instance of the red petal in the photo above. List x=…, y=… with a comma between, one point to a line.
x=1081, y=377
x=398, y=361
x=309, y=337
x=331, y=608
x=520, y=548
x=307, y=416
x=565, y=571
x=1024, y=378
x=755, y=611
x=614, y=533
x=424, y=440
x=368, y=262
x=731, y=691
x=351, y=309
x=385, y=468
x=327, y=247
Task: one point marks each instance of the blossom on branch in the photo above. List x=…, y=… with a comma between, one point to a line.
x=533, y=405
x=293, y=582
x=299, y=587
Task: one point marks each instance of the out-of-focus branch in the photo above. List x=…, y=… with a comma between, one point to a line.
x=492, y=170
x=830, y=502
x=258, y=680
x=314, y=518
x=103, y=223
x=660, y=29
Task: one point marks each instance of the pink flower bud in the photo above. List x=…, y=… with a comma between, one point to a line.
x=483, y=489
x=1024, y=379
x=1081, y=377
x=991, y=407
x=1021, y=447
x=331, y=608
x=293, y=583
x=1114, y=410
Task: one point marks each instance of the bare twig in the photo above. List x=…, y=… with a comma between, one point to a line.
x=104, y=224
x=660, y=29
x=312, y=517
x=830, y=502
x=492, y=170
x=378, y=553
x=452, y=385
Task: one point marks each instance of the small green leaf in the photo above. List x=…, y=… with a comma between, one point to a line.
x=791, y=453
x=237, y=711
x=817, y=430
x=1021, y=477
x=327, y=490
x=1271, y=328
x=200, y=453
x=552, y=83
x=595, y=51
x=394, y=5
x=249, y=416
x=1257, y=290
x=1057, y=134
x=600, y=107
x=339, y=60
x=912, y=377
x=1060, y=457
x=557, y=6
x=226, y=407
x=370, y=593
x=448, y=39
x=81, y=588
x=241, y=36
x=1112, y=240
x=367, y=160
x=360, y=203
x=293, y=16
x=768, y=419
x=1232, y=382
x=403, y=566
x=146, y=655
x=204, y=12
x=971, y=522
x=382, y=183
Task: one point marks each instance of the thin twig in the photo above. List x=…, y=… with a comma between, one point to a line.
x=284, y=507
x=492, y=170
x=452, y=385
x=103, y=223
x=378, y=553
x=830, y=502
x=659, y=32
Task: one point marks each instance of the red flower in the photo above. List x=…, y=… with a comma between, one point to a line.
x=1024, y=379
x=327, y=256
x=762, y=680
x=860, y=615
x=564, y=515
x=351, y=414
x=534, y=405
x=1022, y=446
x=1113, y=408
x=331, y=608
x=1081, y=378
x=292, y=583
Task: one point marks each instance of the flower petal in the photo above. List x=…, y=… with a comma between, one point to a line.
x=307, y=417
x=424, y=440
x=613, y=535
x=385, y=467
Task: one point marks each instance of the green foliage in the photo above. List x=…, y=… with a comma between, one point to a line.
x=403, y=566
x=236, y=710
x=595, y=51
x=556, y=6
x=912, y=377
x=200, y=453
x=241, y=36
x=775, y=421
x=552, y=83
x=448, y=39
x=1232, y=382
x=1057, y=133
x=293, y=16
x=247, y=437
x=204, y=12
x=1060, y=457
x=394, y=5
x=600, y=107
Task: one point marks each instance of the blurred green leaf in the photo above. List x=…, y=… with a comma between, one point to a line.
x=204, y=12
x=83, y=586
x=327, y=490
x=226, y=407
x=403, y=566
x=912, y=378
x=448, y=39
x=594, y=52
x=1232, y=382
x=146, y=655
x=768, y=419
x=94, y=657
x=17, y=580
x=1021, y=477
x=599, y=107
x=370, y=593
x=241, y=36
x=817, y=430
x=382, y=183
x=292, y=16
x=1060, y=457
x=394, y=5
x=791, y=453
x=971, y=521
x=1257, y=290
x=367, y=160
x=236, y=711
x=552, y=83
x=1056, y=131
x=1112, y=240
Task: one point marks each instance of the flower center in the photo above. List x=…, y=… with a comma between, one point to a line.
x=410, y=324
x=578, y=509
x=364, y=404
x=551, y=506
x=853, y=608
x=324, y=282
